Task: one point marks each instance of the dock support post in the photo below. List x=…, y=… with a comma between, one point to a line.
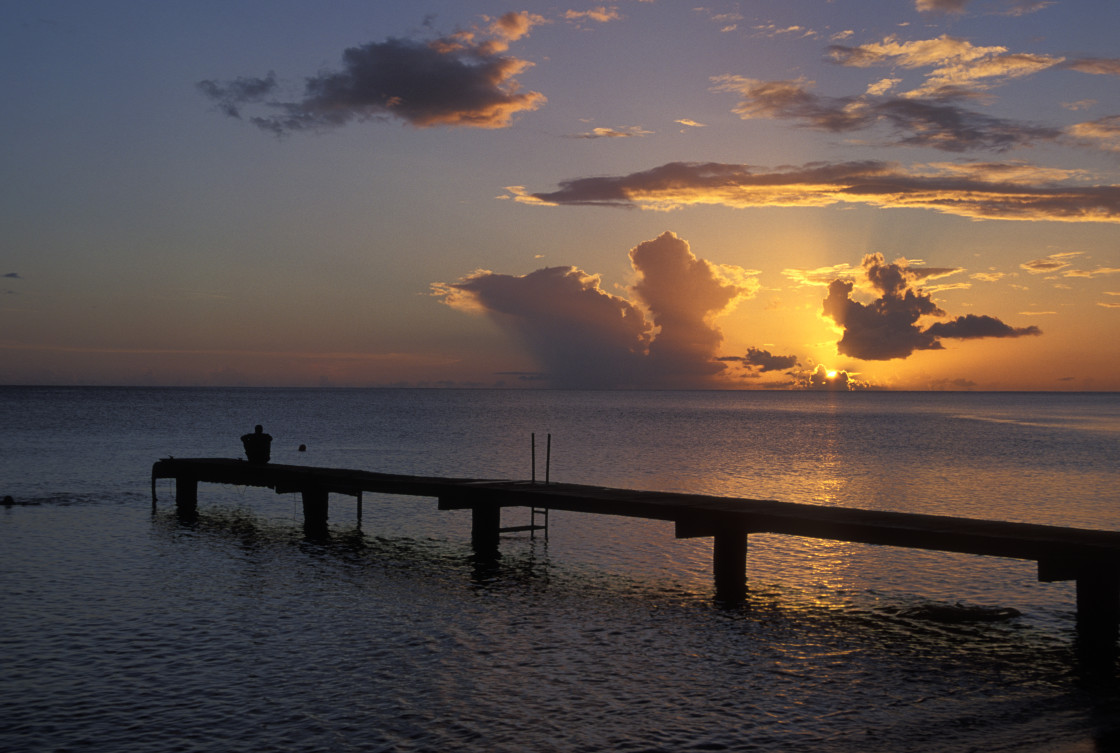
x=315, y=508
x=486, y=523
x=729, y=563
x=1098, y=604
x=186, y=494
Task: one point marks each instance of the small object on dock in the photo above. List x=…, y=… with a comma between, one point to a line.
x=8, y=501
x=303, y=448
x=258, y=445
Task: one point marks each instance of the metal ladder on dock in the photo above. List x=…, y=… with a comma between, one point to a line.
x=533, y=526
x=535, y=512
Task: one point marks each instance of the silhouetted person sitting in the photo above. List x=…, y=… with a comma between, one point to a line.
x=258, y=445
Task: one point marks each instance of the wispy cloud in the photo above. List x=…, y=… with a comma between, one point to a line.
x=915, y=122
x=976, y=191
x=13, y=276
x=996, y=7
x=1104, y=133
x=464, y=79
x=619, y=132
x=1050, y=264
x=957, y=65
x=602, y=14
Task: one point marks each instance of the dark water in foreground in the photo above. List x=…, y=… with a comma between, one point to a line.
x=125, y=629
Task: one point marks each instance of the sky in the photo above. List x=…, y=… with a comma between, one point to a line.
x=781, y=194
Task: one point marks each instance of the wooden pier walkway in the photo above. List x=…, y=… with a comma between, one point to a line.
x=1090, y=557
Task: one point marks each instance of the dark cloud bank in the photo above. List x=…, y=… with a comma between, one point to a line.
x=464, y=79
x=978, y=191
x=585, y=337
x=888, y=327
x=666, y=337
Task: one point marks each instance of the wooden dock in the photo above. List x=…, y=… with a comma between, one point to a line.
x=1090, y=557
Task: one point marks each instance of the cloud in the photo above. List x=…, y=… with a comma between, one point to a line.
x=602, y=14
x=760, y=360
x=621, y=132
x=822, y=378
x=13, y=276
x=1049, y=264
x=690, y=123
x=940, y=6
x=1104, y=132
x=971, y=191
x=1005, y=8
x=581, y=335
x=937, y=125
x=972, y=326
x=457, y=80
x=957, y=65
x=232, y=95
x=1091, y=273
x=584, y=337
x=888, y=327
x=683, y=295
x=1096, y=66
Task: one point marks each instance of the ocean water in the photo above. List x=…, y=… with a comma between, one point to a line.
x=123, y=627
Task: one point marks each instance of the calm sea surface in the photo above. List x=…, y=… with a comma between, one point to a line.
x=123, y=628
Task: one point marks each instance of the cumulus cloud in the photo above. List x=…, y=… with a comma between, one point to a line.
x=889, y=327
x=583, y=336
x=970, y=191
x=915, y=122
x=464, y=79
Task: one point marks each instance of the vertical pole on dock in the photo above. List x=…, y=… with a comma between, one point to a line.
x=533, y=455
x=547, y=458
x=729, y=563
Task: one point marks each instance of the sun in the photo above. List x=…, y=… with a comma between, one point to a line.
x=831, y=373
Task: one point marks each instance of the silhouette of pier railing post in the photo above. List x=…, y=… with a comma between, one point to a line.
x=1089, y=557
